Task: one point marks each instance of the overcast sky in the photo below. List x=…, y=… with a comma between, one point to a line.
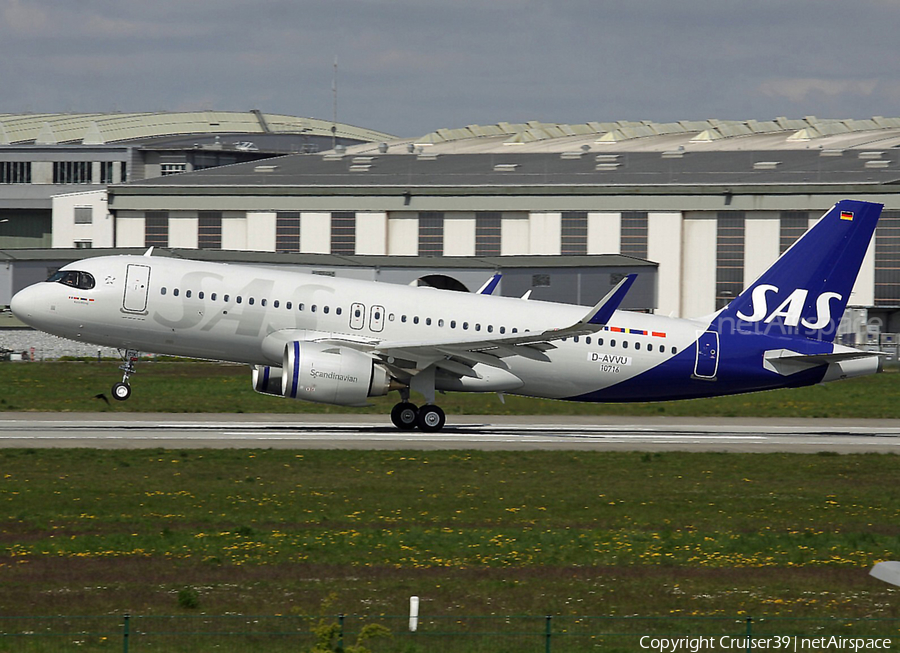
x=408, y=67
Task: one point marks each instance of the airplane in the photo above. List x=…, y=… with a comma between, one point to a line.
x=341, y=341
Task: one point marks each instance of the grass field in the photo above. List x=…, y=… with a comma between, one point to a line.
x=276, y=532
x=208, y=387
x=88, y=532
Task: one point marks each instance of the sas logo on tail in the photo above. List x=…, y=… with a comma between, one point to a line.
x=791, y=309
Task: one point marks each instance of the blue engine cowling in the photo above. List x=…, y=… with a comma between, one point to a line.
x=331, y=375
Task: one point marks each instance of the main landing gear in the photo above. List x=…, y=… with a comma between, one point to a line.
x=429, y=418
x=121, y=391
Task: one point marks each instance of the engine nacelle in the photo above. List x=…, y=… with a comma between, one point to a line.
x=267, y=380
x=330, y=374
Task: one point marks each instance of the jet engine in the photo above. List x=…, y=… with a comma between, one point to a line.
x=267, y=380
x=330, y=374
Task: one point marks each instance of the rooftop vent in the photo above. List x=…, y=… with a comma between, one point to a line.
x=571, y=155
x=360, y=167
x=607, y=158
x=607, y=166
x=868, y=156
x=673, y=154
x=265, y=168
x=332, y=156
x=427, y=156
x=766, y=165
x=831, y=152
x=505, y=167
x=878, y=163
x=362, y=160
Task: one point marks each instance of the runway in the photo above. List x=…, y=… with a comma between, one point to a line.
x=135, y=431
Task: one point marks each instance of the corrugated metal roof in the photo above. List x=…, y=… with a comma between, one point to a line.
x=100, y=128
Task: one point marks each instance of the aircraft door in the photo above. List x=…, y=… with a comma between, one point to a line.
x=707, y=363
x=137, y=287
x=376, y=319
x=357, y=316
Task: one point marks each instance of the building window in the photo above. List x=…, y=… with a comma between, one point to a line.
x=887, y=259
x=487, y=233
x=729, y=256
x=106, y=172
x=574, y=233
x=793, y=225
x=84, y=215
x=209, y=230
x=540, y=280
x=634, y=234
x=83, y=244
x=287, y=232
x=156, y=229
x=431, y=233
x=15, y=172
x=343, y=232
x=166, y=169
x=72, y=172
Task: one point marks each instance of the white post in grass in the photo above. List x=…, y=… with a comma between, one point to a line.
x=413, y=613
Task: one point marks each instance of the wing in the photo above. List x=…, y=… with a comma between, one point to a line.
x=408, y=358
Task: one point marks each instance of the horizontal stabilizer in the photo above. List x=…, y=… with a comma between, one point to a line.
x=785, y=362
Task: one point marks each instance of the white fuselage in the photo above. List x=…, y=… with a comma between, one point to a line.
x=230, y=312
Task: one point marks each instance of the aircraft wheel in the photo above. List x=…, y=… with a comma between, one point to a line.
x=431, y=419
x=403, y=415
x=121, y=391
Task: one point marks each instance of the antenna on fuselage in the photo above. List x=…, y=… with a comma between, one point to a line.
x=149, y=252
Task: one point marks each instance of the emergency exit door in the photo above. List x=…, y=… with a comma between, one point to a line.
x=137, y=286
x=707, y=363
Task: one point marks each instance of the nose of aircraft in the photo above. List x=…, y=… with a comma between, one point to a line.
x=24, y=303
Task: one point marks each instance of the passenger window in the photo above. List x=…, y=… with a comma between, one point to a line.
x=440, y=323
x=637, y=345
x=263, y=301
x=515, y=330
x=662, y=349
x=338, y=310
x=575, y=338
x=477, y=327
x=250, y=301
x=465, y=325
x=239, y=299
x=391, y=317
x=357, y=313
x=403, y=318
x=276, y=303
x=175, y=292
x=325, y=309
x=599, y=342
x=612, y=343
x=427, y=321
x=674, y=351
x=162, y=291
x=301, y=306
x=490, y=328
x=187, y=293
x=452, y=324
x=288, y=306
x=200, y=295
x=311, y=308
x=212, y=297
x=649, y=347
x=502, y=329
x=588, y=340
x=416, y=319
x=624, y=344
x=226, y=298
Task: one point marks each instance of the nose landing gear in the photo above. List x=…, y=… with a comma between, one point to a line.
x=122, y=390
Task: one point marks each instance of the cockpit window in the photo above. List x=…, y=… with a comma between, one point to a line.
x=73, y=278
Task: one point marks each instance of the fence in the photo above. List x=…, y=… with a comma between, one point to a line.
x=444, y=634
